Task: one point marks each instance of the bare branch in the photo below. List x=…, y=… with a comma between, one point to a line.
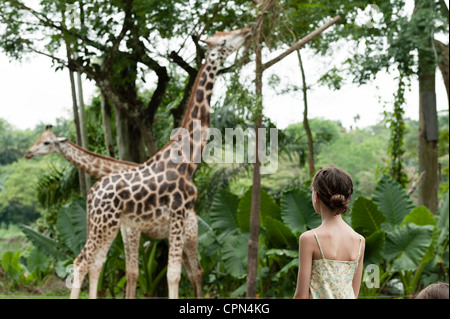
x=415, y=183
x=301, y=42
x=183, y=64
x=208, y=23
x=114, y=48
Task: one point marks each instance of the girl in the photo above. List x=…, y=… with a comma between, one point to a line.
x=331, y=255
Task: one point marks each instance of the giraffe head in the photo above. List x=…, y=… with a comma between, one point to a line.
x=222, y=44
x=47, y=143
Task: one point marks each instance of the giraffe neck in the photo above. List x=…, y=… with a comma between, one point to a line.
x=199, y=103
x=197, y=115
x=94, y=164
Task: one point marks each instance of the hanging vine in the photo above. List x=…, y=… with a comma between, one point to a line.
x=396, y=124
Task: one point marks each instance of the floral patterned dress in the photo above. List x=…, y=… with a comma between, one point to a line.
x=332, y=279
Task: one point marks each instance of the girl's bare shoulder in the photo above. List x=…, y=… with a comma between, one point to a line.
x=358, y=236
x=307, y=236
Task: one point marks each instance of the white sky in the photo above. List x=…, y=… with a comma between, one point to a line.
x=31, y=92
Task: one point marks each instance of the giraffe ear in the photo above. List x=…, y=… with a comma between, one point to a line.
x=61, y=139
x=207, y=41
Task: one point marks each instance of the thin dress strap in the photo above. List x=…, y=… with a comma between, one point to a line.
x=359, y=249
x=318, y=243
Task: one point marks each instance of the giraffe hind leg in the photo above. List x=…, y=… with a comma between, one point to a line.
x=190, y=254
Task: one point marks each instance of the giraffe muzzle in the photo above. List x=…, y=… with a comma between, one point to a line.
x=28, y=155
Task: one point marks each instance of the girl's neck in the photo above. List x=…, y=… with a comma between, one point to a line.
x=328, y=216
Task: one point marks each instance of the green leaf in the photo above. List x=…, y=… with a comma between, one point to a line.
x=286, y=268
x=420, y=216
x=223, y=211
x=235, y=253
x=366, y=217
x=71, y=225
x=268, y=207
x=279, y=234
x=374, y=247
x=297, y=211
x=44, y=243
x=407, y=246
x=392, y=200
x=37, y=261
x=11, y=265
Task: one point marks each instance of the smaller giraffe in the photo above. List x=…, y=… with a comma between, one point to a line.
x=99, y=166
x=92, y=163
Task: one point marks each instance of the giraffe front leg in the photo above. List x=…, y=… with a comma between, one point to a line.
x=95, y=269
x=131, y=238
x=176, y=245
x=79, y=272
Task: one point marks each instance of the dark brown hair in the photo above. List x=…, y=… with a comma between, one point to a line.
x=434, y=291
x=334, y=188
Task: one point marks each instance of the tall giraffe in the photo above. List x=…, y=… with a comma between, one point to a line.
x=99, y=166
x=159, y=195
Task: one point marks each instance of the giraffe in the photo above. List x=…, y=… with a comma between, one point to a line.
x=98, y=166
x=159, y=195
x=92, y=163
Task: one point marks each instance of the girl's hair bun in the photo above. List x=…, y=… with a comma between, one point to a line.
x=337, y=201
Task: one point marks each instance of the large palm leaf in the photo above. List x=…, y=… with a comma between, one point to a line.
x=46, y=244
x=223, y=212
x=297, y=211
x=392, y=200
x=268, y=208
x=366, y=217
x=235, y=254
x=407, y=245
x=71, y=225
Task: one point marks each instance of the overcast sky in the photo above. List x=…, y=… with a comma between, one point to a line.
x=31, y=92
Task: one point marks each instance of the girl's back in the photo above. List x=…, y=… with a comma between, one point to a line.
x=335, y=262
x=338, y=242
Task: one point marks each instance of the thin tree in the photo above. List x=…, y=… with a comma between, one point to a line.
x=305, y=117
x=76, y=117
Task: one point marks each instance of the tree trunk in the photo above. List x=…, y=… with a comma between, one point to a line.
x=428, y=137
x=81, y=177
x=76, y=118
x=428, y=124
x=130, y=144
x=106, y=123
x=443, y=63
x=252, y=267
x=305, y=118
x=83, y=126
